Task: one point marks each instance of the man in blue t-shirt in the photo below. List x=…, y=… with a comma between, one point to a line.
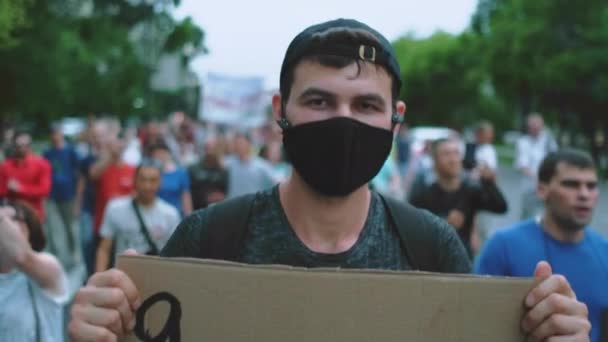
x=61, y=224
x=568, y=186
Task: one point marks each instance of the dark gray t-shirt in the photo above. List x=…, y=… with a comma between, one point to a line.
x=270, y=239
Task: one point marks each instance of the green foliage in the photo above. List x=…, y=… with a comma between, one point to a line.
x=66, y=64
x=548, y=55
x=12, y=17
x=444, y=80
x=518, y=56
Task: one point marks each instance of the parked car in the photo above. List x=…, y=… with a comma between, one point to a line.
x=72, y=126
x=420, y=135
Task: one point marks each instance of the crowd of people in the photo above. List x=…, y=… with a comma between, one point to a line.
x=339, y=134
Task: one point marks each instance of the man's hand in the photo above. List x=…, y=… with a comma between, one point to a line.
x=456, y=218
x=13, y=185
x=487, y=174
x=554, y=314
x=215, y=196
x=104, y=310
x=14, y=246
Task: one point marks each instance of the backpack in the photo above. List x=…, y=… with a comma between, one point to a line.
x=227, y=229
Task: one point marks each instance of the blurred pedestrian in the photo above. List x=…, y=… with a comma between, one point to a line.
x=247, y=173
x=33, y=285
x=454, y=196
x=175, y=183
x=86, y=191
x=272, y=152
x=208, y=177
x=25, y=176
x=61, y=224
x=388, y=181
x=530, y=150
x=568, y=186
x=479, y=155
x=404, y=149
x=481, y=152
x=143, y=221
x=114, y=177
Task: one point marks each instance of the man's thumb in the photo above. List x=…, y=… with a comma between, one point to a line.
x=543, y=270
x=130, y=251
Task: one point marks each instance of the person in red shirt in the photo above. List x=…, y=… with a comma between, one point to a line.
x=114, y=177
x=25, y=176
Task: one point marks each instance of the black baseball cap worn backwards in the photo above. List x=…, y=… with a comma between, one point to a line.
x=380, y=54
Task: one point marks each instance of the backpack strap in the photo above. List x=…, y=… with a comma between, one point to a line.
x=417, y=238
x=227, y=228
x=144, y=230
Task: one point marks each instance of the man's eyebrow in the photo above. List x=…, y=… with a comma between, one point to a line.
x=372, y=97
x=315, y=92
x=577, y=181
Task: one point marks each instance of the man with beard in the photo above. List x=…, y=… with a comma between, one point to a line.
x=568, y=186
x=456, y=197
x=338, y=109
x=26, y=176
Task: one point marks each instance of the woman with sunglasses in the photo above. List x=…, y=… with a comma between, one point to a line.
x=33, y=286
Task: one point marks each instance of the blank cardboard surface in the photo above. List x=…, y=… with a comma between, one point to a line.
x=223, y=301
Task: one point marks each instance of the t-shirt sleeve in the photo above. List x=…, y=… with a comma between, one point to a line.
x=108, y=229
x=491, y=260
x=60, y=298
x=173, y=218
x=186, y=239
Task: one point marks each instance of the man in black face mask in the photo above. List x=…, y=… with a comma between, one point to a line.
x=338, y=110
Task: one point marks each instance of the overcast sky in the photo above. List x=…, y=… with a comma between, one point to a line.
x=249, y=38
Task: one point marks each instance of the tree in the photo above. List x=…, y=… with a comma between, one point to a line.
x=444, y=81
x=65, y=62
x=550, y=56
x=12, y=17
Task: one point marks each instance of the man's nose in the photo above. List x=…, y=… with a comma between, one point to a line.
x=344, y=110
x=584, y=192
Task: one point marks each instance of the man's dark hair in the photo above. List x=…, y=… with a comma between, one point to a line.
x=148, y=163
x=569, y=156
x=155, y=145
x=19, y=134
x=339, y=43
x=483, y=125
x=26, y=214
x=336, y=36
x=436, y=144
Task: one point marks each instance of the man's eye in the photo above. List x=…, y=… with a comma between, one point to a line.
x=317, y=102
x=591, y=186
x=368, y=106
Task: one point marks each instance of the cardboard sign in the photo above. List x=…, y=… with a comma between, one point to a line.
x=203, y=300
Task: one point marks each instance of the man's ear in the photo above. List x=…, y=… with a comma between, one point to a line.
x=400, y=109
x=542, y=190
x=277, y=106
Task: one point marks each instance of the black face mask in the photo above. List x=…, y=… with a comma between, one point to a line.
x=337, y=156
